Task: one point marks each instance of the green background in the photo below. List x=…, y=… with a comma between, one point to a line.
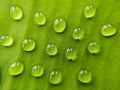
x=105, y=66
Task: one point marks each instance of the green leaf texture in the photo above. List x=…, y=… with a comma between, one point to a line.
x=105, y=66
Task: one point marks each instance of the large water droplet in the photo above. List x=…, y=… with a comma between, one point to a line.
x=108, y=30
x=94, y=47
x=84, y=76
x=37, y=70
x=78, y=34
x=59, y=25
x=16, y=12
x=51, y=49
x=55, y=77
x=6, y=40
x=40, y=18
x=16, y=68
x=28, y=45
x=71, y=54
x=89, y=11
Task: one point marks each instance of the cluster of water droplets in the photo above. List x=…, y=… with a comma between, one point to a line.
x=59, y=26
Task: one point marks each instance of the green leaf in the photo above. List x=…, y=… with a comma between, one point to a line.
x=104, y=66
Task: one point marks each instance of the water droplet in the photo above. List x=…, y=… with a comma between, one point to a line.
x=108, y=30
x=78, y=34
x=16, y=68
x=16, y=12
x=94, y=47
x=40, y=18
x=59, y=25
x=71, y=54
x=55, y=77
x=28, y=45
x=6, y=40
x=84, y=76
x=89, y=11
x=51, y=49
x=37, y=70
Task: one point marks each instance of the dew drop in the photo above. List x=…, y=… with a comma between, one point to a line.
x=15, y=68
x=71, y=54
x=55, y=77
x=108, y=30
x=78, y=34
x=16, y=12
x=51, y=49
x=37, y=71
x=59, y=25
x=40, y=18
x=89, y=11
x=6, y=40
x=94, y=47
x=28, y=45
x=84, y=76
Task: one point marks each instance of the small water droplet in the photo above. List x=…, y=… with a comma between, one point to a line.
x=16, y=12
x=84, y=76
x=51, y=49
x=59, y=25
x=78, y=34
x=40, y=18
x=6, y=40
x=55, y=77
x=16, y=68
x=37, y=70
x=71, y=54
x=94, y=47
x=28, y=45
x=89, y=11
x=108, y=30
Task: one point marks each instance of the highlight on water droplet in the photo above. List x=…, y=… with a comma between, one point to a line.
x=55, y=76
x=6, y=40
x=93, y=47
x=59, y=25
x=84, y=76
x=15, y=68
x=108, y=30
x=51, y=49
x=78, y=34
x=40, y=18
x=89, y=11
x=71, y=54
x=16, y=12
x=37, y=70
x=28, y=44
